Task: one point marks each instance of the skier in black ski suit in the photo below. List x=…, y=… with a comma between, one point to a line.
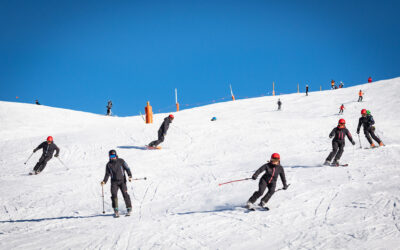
x=116, y=168
x=339, y=133
x=109, y=106
x=279, y=104
x=272, y=169
x=162, y=131
x=48, y=149
x=367, y=121
x=306, y=90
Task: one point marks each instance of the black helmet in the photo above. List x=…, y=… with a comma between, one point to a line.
x=112, y=152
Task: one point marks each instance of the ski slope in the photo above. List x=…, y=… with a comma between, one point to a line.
x=180, y=205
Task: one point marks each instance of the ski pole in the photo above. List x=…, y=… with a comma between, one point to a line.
x=138, y=179
x=63, y=163
x=245, y=179
x=281, y=188
x=102, y=195
x=359, y=140
x=28, y=158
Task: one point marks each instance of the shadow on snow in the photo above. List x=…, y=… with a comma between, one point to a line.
x=218, y=209
x=57, y=218
x=133, y=147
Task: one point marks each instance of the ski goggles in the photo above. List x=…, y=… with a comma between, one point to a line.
x=113, y=156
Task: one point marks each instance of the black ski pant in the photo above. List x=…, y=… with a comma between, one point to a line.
x=42, y=163
x=108, y=111
x=160, y=139
x=337, y=150
x=279, y=107
x=115, y=185
x=360, y=98
x=341, y=111
x=370, y=133
x=262, y=185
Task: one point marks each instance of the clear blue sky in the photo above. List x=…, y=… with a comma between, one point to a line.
x=79, y=54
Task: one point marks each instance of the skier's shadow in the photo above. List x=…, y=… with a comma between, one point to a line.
x=132, y=147
x=57, y=218
x=218, y=209
x=300, y=166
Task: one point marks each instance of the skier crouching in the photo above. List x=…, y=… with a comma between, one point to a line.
x=48, y=147
x=339, y=133
x=162, y=131
x=116, y=167
x=272, y=169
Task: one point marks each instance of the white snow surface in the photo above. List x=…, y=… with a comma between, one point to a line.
x=180, y=205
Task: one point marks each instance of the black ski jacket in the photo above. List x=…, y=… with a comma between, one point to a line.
x=339, y=134
x=116, y=169
x=367, y=122
x=48, y=149
x=271, y=173
x=164, y=126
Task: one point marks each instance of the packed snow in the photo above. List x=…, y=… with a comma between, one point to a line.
x=181, y=205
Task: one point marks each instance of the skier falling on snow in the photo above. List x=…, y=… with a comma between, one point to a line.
x=162, y=132
x=367, y=121
x=116, y=168
x=272, y=169
x=339, y=133
x=48, y=147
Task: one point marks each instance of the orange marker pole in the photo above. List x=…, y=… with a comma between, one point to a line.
x=176, y=100
x=273, y=88
x=233, y=97
x=149, y=113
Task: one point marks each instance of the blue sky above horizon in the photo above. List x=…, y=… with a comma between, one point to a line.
x=79, y=54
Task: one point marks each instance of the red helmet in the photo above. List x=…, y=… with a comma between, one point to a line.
x=363, y=111
x=342, y=121
x=50, y=138
x=275, y=156
x=171, y=116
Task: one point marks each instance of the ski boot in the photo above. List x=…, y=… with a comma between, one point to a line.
x=381, y=144
x=129, y=210
x=250, y=206
x=116, y=213
x=335, y=163
x=263, y=205
x=327, y=163
x=372, y=145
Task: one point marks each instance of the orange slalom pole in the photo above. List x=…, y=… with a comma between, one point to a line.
x=149, y=113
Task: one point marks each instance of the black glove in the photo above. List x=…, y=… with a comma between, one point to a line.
x=285, y=187
x=353, y=143
x=330, y=136
x=34, y=151
x=358, y=132
x=254, y=177
x=56, y=155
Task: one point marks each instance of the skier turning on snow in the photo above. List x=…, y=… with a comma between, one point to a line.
x=116, y=168
x=360, y=96
x=339, y=133
x=48, y=147
x=341, y=109
x=279, y=104
x=272, y=169
x=162, y=132
x=366, y=120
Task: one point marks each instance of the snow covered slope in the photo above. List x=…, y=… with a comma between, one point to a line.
x=181, y=204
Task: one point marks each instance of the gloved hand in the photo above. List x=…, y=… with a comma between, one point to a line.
x=165, y=134
x=331, y=136
x=56, y=155
x=254, y=177
x=130, y=178
x=102, y=183
x=285, y=187
x=353, y=143
x=34, y=151
x=358, y=132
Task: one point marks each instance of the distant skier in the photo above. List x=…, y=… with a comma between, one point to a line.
x=369, y=79
x=48, y=147
x=109, y=106
x=333, y=84
x=341, y=109
x=162, y=131
x=339, y=133
x=116, y=168
x=341, y=85
x=279, y=104
x=360, y=96
x=37, y=102
x=367, y=121
x=306, y=90
x=272, y=169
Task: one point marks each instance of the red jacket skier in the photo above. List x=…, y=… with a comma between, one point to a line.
x=341, y=109
x=369, y=79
